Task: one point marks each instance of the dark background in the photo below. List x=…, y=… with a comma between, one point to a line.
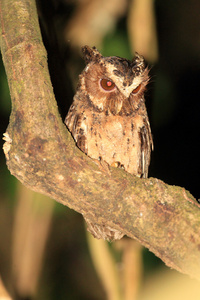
x=173, y=101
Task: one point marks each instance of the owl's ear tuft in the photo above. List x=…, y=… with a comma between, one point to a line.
x=138, y=60
x=91, y=54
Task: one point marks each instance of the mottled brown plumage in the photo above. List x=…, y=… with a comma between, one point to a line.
x=108, y=117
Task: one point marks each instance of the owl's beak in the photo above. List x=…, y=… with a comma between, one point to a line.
x=126, y=91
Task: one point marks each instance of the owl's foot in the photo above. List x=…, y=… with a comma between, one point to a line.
x=103, y=166
x=117, y=164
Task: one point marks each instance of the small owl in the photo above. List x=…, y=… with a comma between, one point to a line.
x=108, y=118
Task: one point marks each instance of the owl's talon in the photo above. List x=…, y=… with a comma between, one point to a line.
x=103, y=166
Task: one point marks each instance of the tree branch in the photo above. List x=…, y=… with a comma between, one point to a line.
x=41, y=153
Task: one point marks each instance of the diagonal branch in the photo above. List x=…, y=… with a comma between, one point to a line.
x=42, y=155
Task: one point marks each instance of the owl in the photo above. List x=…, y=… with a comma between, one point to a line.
x=108, y=118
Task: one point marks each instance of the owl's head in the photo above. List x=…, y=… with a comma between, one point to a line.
x=114, y=85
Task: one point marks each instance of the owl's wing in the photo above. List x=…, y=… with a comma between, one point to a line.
x=146, y=147
x=76, y=125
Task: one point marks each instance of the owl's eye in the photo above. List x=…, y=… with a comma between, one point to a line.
x=107, y=84
x=136, y=90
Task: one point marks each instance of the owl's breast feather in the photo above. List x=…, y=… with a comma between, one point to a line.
x=114, y=139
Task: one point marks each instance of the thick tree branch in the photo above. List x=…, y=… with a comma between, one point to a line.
x=41, y=154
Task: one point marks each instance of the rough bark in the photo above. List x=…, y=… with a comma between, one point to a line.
x=42, y=155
